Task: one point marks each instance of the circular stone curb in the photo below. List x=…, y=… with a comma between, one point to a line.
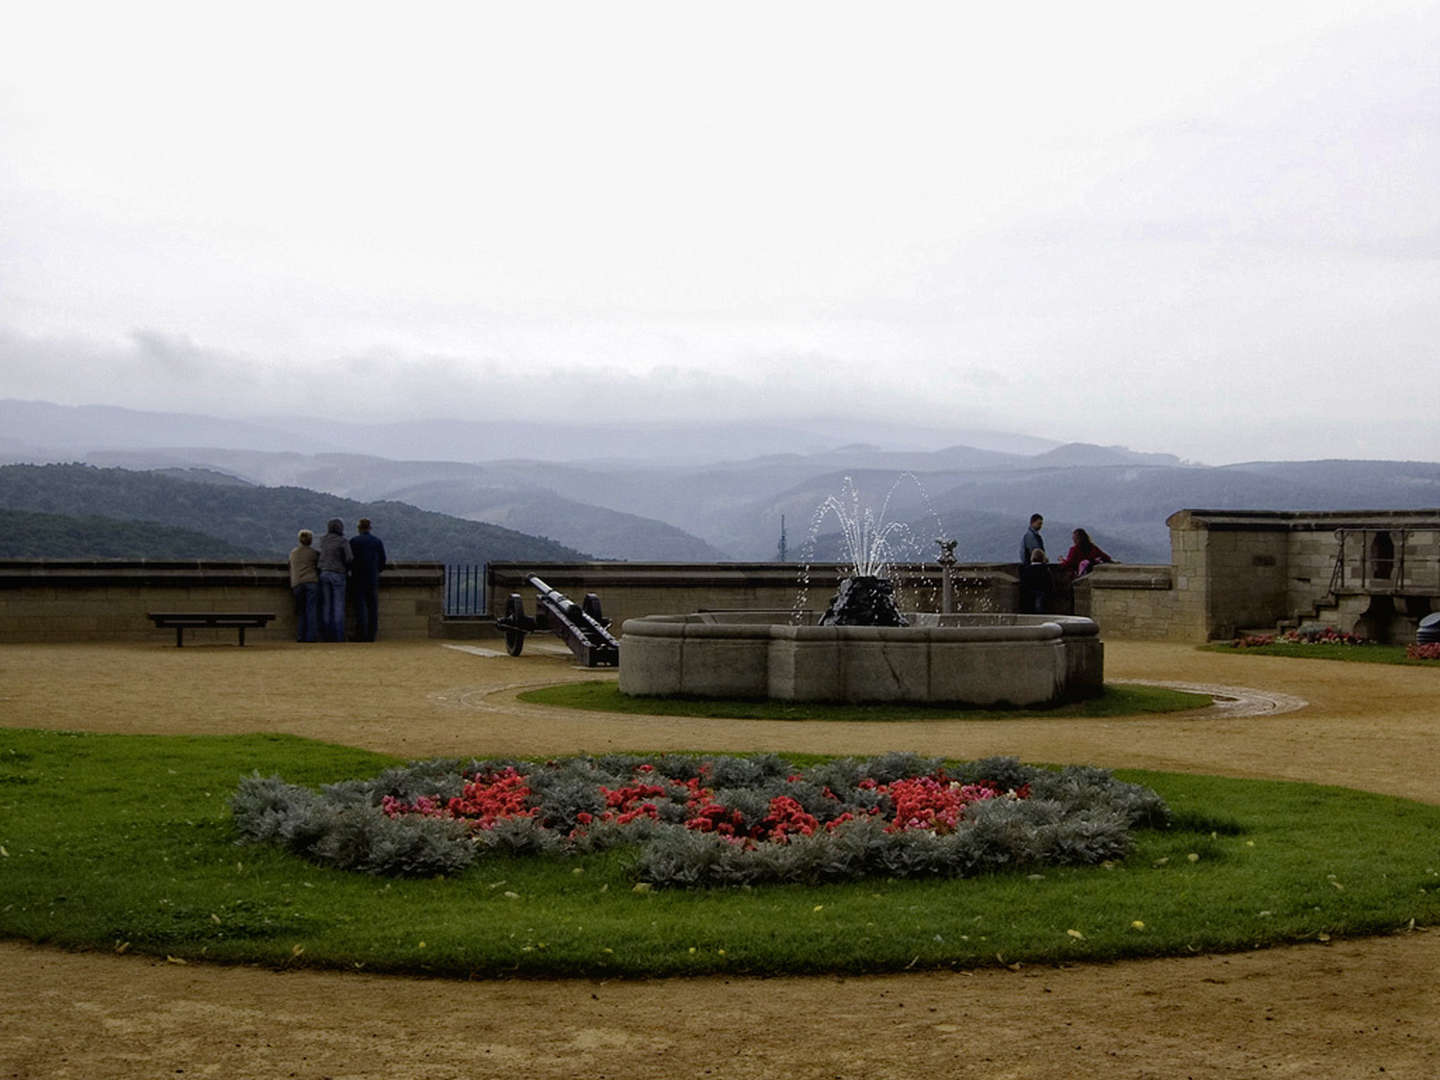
x=1230, y=700
x=1237, y=701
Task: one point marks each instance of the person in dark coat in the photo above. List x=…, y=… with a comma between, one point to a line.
x=369, y=552
x=1034, y=573
x=1035, y=584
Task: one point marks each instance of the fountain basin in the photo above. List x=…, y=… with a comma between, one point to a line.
x=1024, y=660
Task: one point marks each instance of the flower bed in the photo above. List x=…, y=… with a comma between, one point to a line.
x=1430, y=651
x=1306, y=635
x=709, y=820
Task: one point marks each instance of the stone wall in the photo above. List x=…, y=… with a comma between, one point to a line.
x=1230, y=570
x=104, y=600
x=1251, y=569
x=1132, y=601
x=631, y=590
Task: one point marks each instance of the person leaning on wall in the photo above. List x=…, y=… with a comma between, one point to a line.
x=1034, y=573
x=335, y=560
x=369, y=552
x=1084, y=554
x=305, y=586
x=1035, y=584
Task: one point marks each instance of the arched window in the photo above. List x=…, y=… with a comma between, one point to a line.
x=1382, y=556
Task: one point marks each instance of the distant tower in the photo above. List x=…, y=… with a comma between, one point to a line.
x=783, y=555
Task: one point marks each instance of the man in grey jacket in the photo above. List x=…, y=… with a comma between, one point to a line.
x=335, y=560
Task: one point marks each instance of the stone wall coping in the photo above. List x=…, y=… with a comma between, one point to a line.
x=512, y=575
x=1128, y=576
x=146, y=573
x=1302, y=520
x=982, y=628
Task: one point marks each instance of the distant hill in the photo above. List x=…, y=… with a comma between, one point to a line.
x=608, y=534
x=1122, y=506
x=262, y=519
x=510, y=494
x=711, y=492
x=37, y=428
x=1072, y=454
x=733, y=509
x=28, y=535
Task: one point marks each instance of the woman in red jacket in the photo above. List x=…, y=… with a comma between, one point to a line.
x=1084, y=554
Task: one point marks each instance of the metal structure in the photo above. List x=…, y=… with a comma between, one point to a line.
x=1378, y=561
x=581, y=626
x=465, y=589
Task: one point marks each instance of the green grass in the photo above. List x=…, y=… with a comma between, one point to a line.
x=1362, y=654
x=605, y=696
x=125, y=842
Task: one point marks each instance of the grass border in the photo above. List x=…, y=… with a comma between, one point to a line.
x=124, y=842
x=1117, y=701
x=1359, y=654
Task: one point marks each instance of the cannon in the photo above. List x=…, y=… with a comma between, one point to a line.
x=580, y=626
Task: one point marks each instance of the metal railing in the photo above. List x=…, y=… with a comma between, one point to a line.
x=1386, y=561
x=465, y=589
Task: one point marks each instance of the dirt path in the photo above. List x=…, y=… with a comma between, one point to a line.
x=1344, y=1009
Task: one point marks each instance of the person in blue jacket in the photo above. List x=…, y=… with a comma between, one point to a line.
x=1034, y=573
x=369, y=552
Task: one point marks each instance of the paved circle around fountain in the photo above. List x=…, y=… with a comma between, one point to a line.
x=1236, y=701
x=1231, y=700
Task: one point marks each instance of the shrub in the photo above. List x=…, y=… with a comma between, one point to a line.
x=1319, y=634
x=346, y=831
x=1253, y=641
x=702, y=821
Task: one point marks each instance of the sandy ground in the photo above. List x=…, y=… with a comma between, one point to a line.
x=1348, y=1008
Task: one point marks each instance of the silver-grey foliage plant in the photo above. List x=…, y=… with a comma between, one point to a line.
x=1075, y=816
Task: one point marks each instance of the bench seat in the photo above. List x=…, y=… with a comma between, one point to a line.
x=183, y=620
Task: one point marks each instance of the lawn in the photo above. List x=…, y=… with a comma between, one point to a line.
x=605, y=696
x=124, y=842
x=1360, y=654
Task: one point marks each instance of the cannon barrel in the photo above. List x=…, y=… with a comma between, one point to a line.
x=588, y=637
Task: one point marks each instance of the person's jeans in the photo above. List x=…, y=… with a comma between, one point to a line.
x=307, y=611
x=367, y=609
x=332, y=605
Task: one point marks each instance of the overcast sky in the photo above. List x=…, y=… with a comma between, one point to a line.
x=1212, y=230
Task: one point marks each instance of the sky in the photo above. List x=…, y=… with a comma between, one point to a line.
x=1209, y=230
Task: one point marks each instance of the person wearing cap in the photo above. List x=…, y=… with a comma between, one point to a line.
x=369, y=552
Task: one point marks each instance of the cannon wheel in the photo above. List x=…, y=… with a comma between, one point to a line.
x=514, y=642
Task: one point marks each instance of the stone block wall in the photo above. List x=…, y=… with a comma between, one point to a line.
x=1132, y=601
x=104, y=600
x=1252, y=569
x=1230, y=570
x=632, y=590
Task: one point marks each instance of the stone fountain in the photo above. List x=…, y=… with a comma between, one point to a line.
x=863, y=648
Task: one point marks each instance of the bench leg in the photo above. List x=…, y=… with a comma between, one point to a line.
x=179, y=636
x=242, y=634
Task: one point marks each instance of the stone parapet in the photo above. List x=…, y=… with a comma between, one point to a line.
x=630, y=590
x=106, y=600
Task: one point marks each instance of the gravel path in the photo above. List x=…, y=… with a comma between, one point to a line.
x=1347, y=1008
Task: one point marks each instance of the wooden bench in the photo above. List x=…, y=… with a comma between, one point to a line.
x=183, y=620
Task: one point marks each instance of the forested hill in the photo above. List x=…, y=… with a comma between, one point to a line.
x=25, y=534
x=260, y=520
